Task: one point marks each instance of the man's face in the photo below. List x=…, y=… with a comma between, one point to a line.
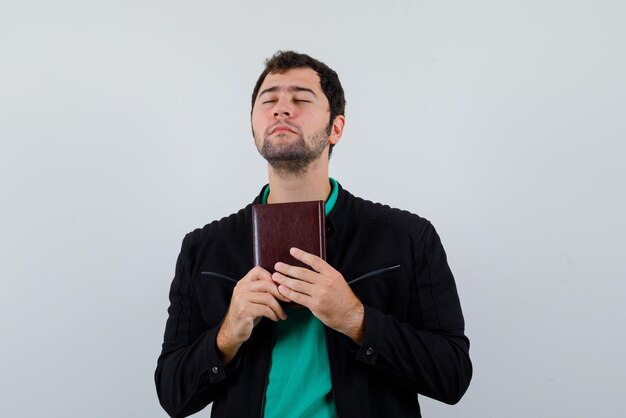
x=290, y=120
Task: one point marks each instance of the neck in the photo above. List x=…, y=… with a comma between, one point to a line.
x=311, y=184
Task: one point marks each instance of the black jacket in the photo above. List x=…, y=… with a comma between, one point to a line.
x=394, y=262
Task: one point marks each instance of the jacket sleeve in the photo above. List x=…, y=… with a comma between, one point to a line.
x=189, y=372
x=429, y=351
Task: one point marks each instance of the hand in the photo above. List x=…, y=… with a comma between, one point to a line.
x=324, y=291
x=255, y=296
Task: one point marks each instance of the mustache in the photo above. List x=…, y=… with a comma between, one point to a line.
x=291, y=126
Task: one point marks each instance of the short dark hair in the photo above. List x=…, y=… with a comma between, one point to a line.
x=283, y=61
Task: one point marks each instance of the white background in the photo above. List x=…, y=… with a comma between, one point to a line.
x=125, y=124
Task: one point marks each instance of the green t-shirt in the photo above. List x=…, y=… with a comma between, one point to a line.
x=299, y=378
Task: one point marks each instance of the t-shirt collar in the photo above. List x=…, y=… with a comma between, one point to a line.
x=330, y=202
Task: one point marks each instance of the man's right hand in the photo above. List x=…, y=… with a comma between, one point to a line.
x=255, y=296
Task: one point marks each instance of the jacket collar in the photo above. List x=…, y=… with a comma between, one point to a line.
x=333, y=220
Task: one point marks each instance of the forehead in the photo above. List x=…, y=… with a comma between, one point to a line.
x=296, y=77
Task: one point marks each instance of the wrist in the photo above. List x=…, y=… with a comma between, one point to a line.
x=227, y=347
x=355, y=323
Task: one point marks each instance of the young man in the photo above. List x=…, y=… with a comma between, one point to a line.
x=381, y=321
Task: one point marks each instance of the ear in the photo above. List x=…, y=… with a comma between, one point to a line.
x=337, y=129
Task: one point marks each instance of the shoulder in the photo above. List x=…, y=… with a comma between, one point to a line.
x=227, y=228
x=368, y=212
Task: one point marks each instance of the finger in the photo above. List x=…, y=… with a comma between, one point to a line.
x=296, y=285
x=259, y=275
x=256, y=273
x=259, y=310
x=299, y=298
x=300, y=273
x=269, y=301
x=265, y=276
x=315, y=262
x=268, y=286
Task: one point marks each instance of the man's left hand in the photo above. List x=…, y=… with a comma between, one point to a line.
x=324, y=291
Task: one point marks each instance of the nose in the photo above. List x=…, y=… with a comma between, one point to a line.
x=283, y=108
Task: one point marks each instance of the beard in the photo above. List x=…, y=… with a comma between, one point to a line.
x=294, y=158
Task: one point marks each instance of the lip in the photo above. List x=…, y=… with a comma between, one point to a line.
x=281, y=129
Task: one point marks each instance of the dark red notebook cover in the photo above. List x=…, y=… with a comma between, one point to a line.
x=278, y=227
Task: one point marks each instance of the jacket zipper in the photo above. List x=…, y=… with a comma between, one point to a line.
x=374, y=273
x=267, y=375
x=332, y=373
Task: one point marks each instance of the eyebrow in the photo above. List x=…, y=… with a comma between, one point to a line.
x=289, y=89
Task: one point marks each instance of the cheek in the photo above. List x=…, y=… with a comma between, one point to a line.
x=321, y=119
x=259, y=122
